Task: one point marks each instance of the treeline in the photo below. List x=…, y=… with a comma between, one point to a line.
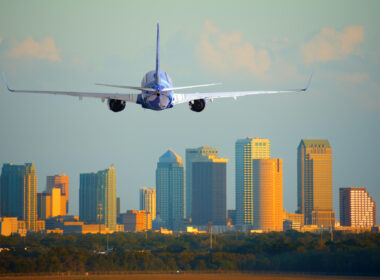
x=290, y=251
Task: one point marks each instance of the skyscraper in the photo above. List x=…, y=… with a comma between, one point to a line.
x=357, y=208
x=267, y=194
x=148, y=201
x=170, y=184
x=43, y=205
x=97, y=198
x=117, y=206
x=315, y=182
x=192, y=154
x=49, y=204
x=209, y=190
x=18, y=193
x=60, y=181
x=246, y=150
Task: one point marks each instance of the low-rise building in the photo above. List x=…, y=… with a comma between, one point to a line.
x=8, y=225
x=134, y=220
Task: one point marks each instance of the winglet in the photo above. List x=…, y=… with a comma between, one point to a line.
x=6, y=83
x=308, y=83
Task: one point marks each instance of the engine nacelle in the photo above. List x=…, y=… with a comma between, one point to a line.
x=116, y=105
x=197, y=105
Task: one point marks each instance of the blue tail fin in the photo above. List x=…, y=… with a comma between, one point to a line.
x=158, y=54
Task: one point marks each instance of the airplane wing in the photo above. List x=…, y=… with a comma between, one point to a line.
x=154, y=90
x=103, y=96
x=188, y=97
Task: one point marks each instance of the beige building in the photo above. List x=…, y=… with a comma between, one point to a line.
x=315, y=182
x=134, y=220
x=246, y=150
x=357, y=208
x=267, y=194
x=60, y=181
x=8, y=225
x=148, y=201
x=49, y=204
x=295, y=218
x=56, y=202
x=40, y=225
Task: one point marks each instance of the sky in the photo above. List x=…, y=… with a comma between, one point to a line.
x=245, y=45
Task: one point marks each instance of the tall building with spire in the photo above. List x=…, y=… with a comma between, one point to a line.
x=97, y=198
x=18, y=193
x=148, y=201
x=246, y=150
x=357, y=208
x=60, y=181
x=267, y=194
x=170, y=187
x=315, y=182
x=209, y=190
x=191, y=155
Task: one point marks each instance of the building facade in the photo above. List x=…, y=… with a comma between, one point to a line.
x=246, y=150
x=18, y=193
x=97, y=198
x=191, y=155
x=60, y=181
x=134, y=220
x=209, y=190
x=49, y=204
x=267, y=194
x=315, y=182
x=357, y=208
x=148, y=201
x=170, y=187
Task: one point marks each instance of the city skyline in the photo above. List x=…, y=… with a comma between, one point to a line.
x=314, y=151
x=109, y=43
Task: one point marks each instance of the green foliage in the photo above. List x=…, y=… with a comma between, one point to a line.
x=290, y=251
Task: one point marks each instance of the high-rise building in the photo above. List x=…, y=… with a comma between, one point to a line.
x=49, y=204
x=192, y=154
x=267, y=194
x=117, y=206
x=170, y=184
x=18, y=194
x=315, y=182
x=246, y=150
x=60, y=181
x=209, y=190
x=56, y=209
x=148, y=201
x=357, y=208
x=43, y=205
x=97, y=198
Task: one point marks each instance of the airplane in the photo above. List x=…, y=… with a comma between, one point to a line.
x=157, y=91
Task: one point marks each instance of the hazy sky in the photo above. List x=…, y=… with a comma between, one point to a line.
x=70, y=45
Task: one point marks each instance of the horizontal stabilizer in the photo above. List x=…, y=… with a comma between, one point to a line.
x=128, y=87
x=187, y=87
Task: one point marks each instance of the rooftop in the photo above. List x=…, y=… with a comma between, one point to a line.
x=312, y=142
x=170, y=156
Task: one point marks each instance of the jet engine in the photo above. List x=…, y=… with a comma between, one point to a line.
x=116, y=105
x=197, y=105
